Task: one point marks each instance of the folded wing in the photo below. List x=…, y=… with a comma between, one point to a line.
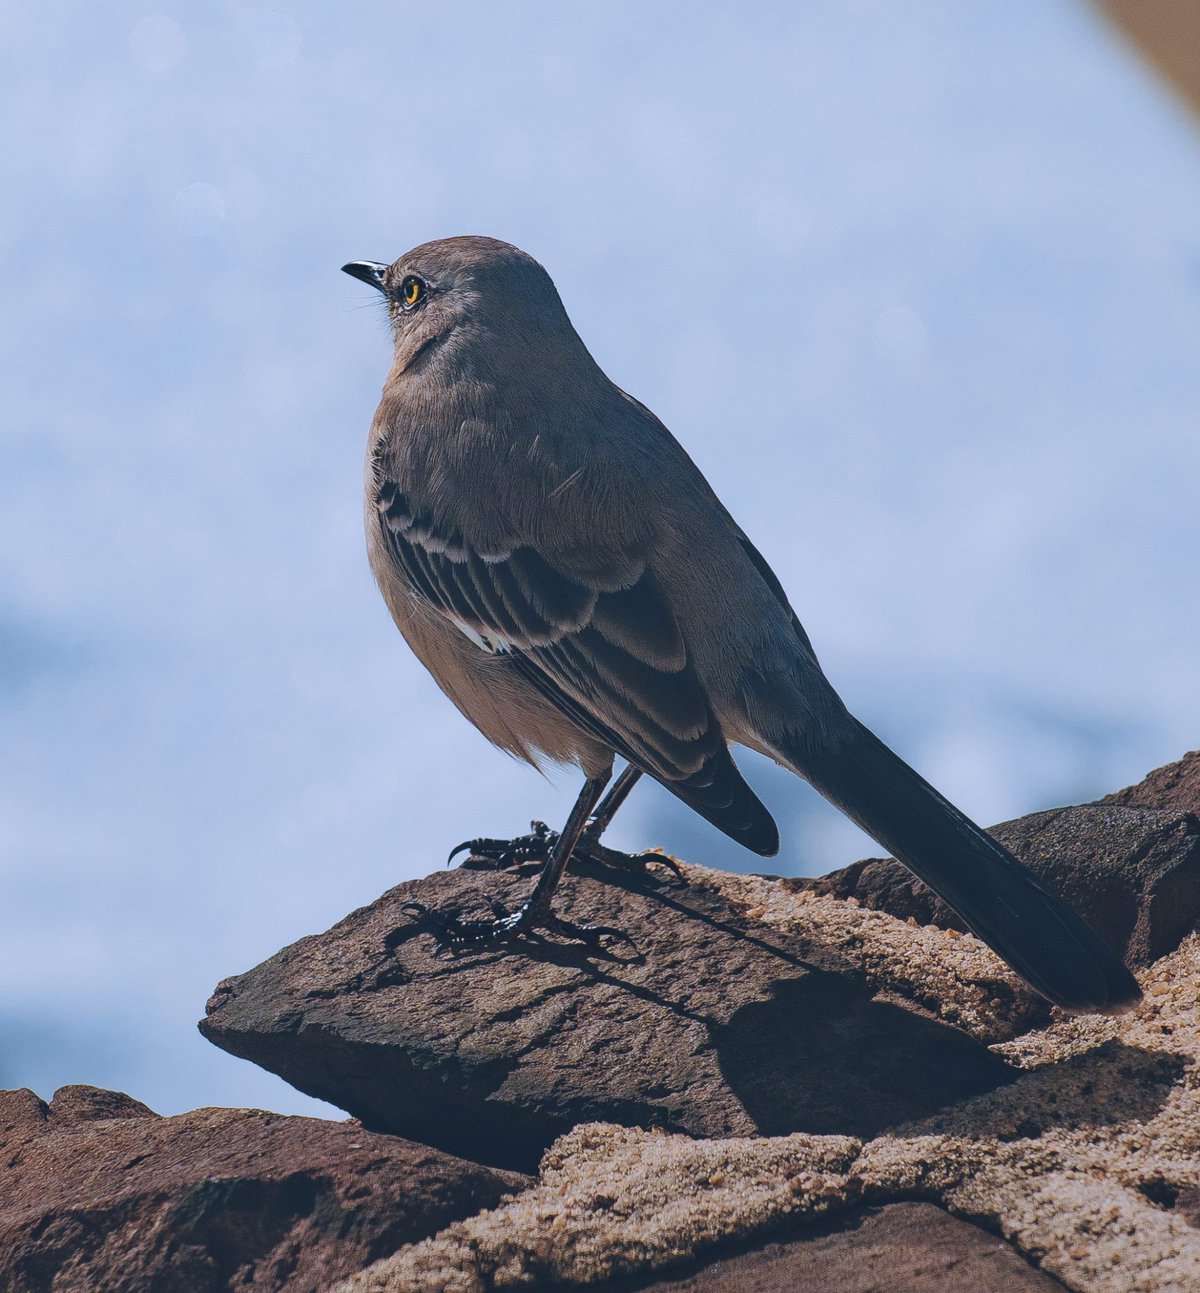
x=605, y=649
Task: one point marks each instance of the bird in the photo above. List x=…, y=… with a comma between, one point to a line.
x=563, y=569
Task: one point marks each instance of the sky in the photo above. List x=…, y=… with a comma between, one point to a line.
x=917, y=286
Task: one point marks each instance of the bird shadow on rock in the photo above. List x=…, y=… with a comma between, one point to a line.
x=665, y=890
x=820, y=1053
x=703, y=908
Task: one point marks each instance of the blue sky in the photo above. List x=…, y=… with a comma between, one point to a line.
x=918, y=286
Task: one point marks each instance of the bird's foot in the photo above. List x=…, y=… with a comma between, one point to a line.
x=501, y=855
x=537, y=846
x=505, y=927
x=640, y=863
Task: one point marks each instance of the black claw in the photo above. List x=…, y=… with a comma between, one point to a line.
x=594, y=851
x=501, y=854
x=663, y=859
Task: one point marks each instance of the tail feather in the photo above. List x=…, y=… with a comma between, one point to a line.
x=1043, y=940
x=719, y=793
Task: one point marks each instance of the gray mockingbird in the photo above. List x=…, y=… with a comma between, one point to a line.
x=558, y=563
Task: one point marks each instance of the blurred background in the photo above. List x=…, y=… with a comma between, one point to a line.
x=918, y=287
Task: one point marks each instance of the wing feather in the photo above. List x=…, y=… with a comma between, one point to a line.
x=609, y=655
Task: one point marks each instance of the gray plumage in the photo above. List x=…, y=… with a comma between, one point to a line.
x=561, y=567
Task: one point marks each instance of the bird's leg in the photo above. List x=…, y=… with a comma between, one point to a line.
x=590, y=847
x=616, y=795
x=537, y=846
x=535, y=913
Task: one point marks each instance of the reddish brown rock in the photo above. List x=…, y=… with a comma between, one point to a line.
x=1174, y=786
x=1129, y=865
x=901, y=1248
x=94, y=1104
x=720, y=1027
x=99, y=1192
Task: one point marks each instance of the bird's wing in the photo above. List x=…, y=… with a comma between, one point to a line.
x=683, y=469
x=771, y=579
x=604, y=648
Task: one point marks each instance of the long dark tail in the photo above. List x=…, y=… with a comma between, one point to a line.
x=1043, y=940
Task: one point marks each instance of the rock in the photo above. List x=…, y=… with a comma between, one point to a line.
x=1174, y=786
x=93, y=1104
x=900, y=1248
x=723, y=1026
x=99, y=1192
x=1088, y=1164
x=20, y=1111
x=1131, y=871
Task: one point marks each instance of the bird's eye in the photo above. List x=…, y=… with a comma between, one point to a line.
x=412, y=290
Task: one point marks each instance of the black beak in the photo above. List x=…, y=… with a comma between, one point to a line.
x=367, y=271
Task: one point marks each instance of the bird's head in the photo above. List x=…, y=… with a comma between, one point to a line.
x=469, y=296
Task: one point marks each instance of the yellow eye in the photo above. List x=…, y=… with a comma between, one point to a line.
x=411, y=291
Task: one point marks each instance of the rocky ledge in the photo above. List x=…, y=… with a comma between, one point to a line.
x=777, y=1084
x=99, y=1192
x=738, y=1010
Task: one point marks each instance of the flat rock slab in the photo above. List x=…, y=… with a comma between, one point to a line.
x=99, y=1192
x=1131, y=872
x=901, y=1248
x=720, y=1026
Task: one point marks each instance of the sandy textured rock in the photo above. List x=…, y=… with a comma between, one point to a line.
x=1085, y=1164
x=723, y=1026
x=99, y=1192
x=1131, y=871
x=900, y=1248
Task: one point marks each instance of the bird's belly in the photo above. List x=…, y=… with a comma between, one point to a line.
x=478, y=675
